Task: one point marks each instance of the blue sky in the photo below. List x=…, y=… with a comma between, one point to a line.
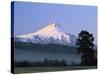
x=30, y=17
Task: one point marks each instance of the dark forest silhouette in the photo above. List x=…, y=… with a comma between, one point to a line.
x=44, y=63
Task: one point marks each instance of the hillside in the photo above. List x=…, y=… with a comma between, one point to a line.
x=45, y=47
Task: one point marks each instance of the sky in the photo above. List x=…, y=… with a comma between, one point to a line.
x=30, y=17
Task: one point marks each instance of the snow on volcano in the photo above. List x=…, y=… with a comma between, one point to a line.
x=51, y=34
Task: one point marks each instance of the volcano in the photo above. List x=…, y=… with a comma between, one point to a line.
x=50, y=34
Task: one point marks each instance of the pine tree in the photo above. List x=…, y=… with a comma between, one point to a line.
x=85, y=47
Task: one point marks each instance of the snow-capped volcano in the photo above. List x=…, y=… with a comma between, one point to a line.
x=51, y=34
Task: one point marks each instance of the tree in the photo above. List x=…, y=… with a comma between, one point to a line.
x=85, y=47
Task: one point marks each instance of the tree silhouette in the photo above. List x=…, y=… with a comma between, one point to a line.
x=46, y=62
x=85, y=47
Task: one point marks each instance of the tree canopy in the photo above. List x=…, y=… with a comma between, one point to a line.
x=85, y=46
